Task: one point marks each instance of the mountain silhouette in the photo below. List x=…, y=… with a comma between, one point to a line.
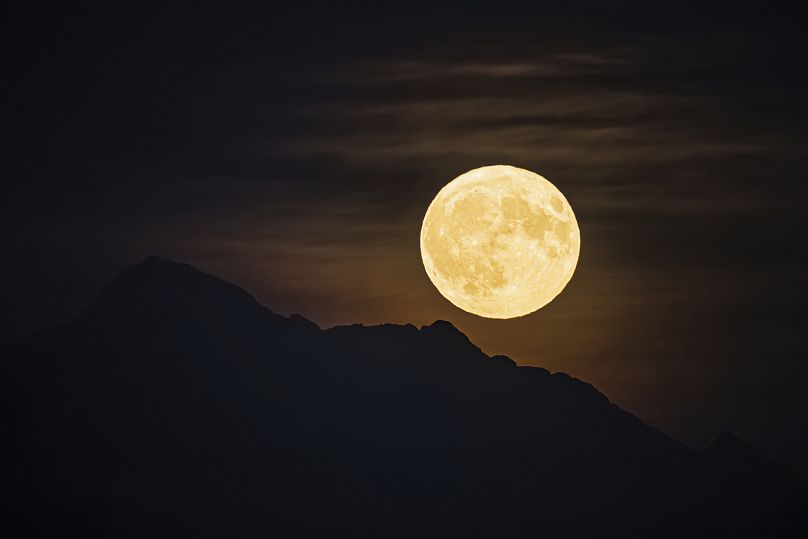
x=176, y=405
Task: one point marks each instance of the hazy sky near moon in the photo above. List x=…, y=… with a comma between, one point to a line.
x=294, y=151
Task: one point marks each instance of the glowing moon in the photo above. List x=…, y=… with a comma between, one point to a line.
x=500, y=241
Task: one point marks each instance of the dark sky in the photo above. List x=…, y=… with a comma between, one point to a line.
x=294, y=150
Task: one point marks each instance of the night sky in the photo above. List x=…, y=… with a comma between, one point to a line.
x=294, y=151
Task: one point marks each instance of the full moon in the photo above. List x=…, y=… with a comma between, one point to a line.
x=500, y=241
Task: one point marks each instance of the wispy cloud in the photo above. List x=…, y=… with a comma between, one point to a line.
x=571, y=64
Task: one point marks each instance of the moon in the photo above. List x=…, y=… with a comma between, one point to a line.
x=500, y=241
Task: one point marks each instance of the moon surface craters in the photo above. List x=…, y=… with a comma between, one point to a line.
x=500, y=241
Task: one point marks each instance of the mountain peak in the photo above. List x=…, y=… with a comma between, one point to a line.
x=158, y=263
x=156, y=286
x=444, y=330
x=442, y=326
x=155, y=259
x=153, y=266
x=444, y=335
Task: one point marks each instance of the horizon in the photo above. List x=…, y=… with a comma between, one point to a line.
x=153, y=258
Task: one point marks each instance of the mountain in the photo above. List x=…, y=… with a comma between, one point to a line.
x=176, y=405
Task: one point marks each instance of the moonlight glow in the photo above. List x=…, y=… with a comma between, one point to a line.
x=500, y=241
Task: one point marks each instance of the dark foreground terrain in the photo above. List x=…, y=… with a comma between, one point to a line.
x=177, y=406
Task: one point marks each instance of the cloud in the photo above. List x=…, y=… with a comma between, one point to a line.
x=559, y=65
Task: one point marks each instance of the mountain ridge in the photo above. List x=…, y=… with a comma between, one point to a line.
x=175, y=388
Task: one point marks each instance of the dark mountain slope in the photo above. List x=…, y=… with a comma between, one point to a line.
x=176, y=405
